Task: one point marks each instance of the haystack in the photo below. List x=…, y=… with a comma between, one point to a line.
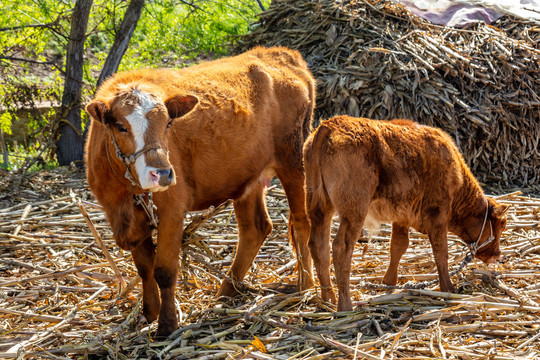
x=376, y=59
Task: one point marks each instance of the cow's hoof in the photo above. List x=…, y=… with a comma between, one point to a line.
x=230, y=290
x=166, y=328
x=227, y=290
x=149, y=316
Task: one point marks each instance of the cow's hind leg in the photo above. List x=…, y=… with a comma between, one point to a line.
x=293, y=184
x=253, y=226
x=143, y=256
x=398, y=245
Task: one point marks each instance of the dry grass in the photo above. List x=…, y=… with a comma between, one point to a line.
x=60, y=298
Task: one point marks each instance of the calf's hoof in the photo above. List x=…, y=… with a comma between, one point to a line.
x=344, y=305
x=447, y=288
x=282, y=288
x=390, y=280
x=329, y=296
x=305, y=283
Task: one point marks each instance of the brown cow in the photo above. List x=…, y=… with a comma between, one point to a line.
x=401, y=172
x=196, y=137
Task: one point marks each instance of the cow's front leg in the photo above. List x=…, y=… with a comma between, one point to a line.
x=169, y=242
x=143, y=256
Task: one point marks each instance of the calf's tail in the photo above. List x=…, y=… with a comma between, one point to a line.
x=314, y=188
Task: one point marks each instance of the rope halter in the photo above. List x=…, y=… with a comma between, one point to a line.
x=475, y=247
x=129, y=161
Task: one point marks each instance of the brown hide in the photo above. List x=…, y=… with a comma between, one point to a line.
x=235, y=123
x=400, y=172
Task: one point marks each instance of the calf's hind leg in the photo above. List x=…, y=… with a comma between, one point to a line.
x=343, y=247
x=253, y=226
x=398, y=245
x=320, y=214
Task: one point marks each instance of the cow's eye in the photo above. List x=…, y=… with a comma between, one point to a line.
x=121, y=128
x=169, y=124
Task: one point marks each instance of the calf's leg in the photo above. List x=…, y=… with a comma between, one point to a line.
x=253, y=226
x=320, y=214
x=398, y=245
x=439, y=244
x=143, y=256
x=343, y=247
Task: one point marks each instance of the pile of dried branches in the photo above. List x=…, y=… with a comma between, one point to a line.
x=61, y=298
x=375, y=59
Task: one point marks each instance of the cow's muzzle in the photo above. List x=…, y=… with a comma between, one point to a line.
x=162, y=177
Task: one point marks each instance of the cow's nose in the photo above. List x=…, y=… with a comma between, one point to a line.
x=165, y=172
x=165, y=176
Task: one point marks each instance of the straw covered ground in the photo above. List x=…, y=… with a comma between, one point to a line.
x=60, y=298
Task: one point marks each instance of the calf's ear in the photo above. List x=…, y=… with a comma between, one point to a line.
x=98, y=111
x=180, y=105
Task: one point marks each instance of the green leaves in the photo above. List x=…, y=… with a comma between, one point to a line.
x=6, y=120
x=33, y=42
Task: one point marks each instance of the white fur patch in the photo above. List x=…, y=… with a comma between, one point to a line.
x=137, y=119
x=139, y=123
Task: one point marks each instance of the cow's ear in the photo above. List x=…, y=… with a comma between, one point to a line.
x=180, y=105
x=500, y=209
x=99, y=111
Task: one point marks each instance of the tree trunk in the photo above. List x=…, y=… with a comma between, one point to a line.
x=70, y=143
x=121, y=40
x=5, y=154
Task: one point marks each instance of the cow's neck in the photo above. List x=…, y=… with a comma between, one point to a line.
x=469, y=201
x=118, y=168
x=129, y=223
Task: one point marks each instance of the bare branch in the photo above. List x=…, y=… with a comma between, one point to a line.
x=261, y=5
x=26, y=60
x=13, y=28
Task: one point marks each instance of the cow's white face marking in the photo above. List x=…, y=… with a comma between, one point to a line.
x=139, y=123
x=137, y=119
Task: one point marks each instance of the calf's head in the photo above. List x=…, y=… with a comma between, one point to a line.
x=138, y=122
x=484, y=231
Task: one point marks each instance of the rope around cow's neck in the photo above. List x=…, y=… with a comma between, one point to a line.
x=149, y=208
x=473, y=249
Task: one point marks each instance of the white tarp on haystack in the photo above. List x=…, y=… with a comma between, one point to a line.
x=459, y=13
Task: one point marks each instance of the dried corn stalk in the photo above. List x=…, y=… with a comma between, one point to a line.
x=375, y=59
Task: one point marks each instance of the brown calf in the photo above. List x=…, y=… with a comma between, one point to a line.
x=401, y=172
x=196, y=137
